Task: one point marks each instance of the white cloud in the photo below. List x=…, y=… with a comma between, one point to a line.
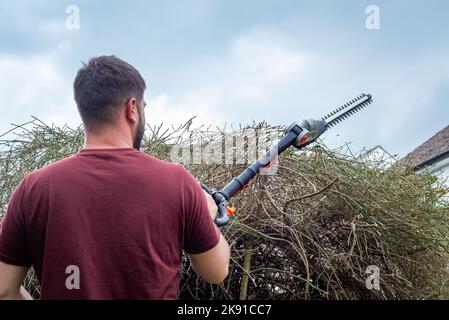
x=26, y=16
x=255, y=67
x=34, y=85
x=52, y=28
x=264, y=59
x=165, y=109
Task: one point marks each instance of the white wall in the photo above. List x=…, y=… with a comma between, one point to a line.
x=440, y=169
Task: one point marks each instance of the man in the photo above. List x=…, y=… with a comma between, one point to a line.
x=109, y=222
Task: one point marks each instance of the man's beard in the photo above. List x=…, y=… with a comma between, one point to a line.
x=139, y=133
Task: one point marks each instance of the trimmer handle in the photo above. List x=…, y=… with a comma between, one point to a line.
x=225, y=209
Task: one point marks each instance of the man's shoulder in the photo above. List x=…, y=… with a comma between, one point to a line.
x=165, y=167
x=50, y=169
x=170, y=169
x=152, y=160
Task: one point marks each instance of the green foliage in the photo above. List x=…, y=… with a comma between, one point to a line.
x=307, y=232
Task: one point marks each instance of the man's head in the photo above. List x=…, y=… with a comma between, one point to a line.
x=109, y=93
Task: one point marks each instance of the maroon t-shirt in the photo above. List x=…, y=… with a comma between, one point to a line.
x=107, y=224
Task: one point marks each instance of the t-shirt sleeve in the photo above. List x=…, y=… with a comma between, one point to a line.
x=200, y=232
x=13, y=238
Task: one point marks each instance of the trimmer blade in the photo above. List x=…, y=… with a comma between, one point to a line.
x=347, y=110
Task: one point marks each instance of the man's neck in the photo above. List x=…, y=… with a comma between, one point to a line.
x=105, y=146
x=106, y=141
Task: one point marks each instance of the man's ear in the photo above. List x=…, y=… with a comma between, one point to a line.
x=131, y=110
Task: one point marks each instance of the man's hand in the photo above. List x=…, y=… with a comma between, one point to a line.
x=213, y=209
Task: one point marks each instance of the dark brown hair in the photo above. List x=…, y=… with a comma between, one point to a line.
x=104, y=85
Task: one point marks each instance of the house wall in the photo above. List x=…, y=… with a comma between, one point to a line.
x=440, y=169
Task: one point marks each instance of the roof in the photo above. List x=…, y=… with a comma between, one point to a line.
x=434, y=149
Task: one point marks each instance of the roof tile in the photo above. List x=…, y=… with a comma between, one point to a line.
x=435, y=146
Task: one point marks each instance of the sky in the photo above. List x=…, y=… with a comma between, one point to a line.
x=239, y=61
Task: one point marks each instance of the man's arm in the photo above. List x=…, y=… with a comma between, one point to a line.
x=14, y=254
x=202, y=241
x=11, y=278
x=212, y=265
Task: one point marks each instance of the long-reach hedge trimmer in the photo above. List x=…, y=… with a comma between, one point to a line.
x=297, y=135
